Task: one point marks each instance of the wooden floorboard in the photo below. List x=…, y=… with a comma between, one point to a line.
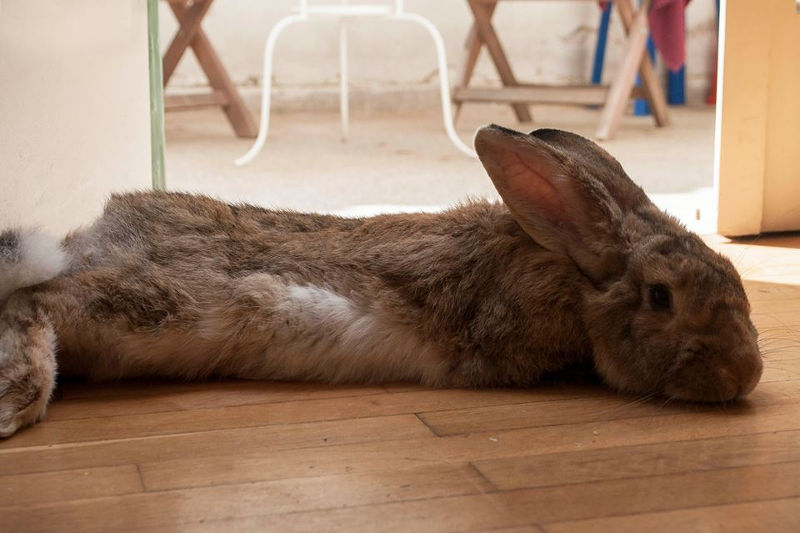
x=564, y=457
x=763, y=515
x=521, y=507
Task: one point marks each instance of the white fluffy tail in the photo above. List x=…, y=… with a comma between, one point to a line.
x=28, y=257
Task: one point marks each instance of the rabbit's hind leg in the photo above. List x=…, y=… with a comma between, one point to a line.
x=27, y=363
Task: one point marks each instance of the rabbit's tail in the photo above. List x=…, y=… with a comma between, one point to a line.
x=28, y=257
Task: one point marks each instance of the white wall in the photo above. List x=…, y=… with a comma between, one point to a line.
x=74, y=108
x=548, y=42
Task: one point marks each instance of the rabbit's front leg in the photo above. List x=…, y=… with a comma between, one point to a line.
x=27, y=363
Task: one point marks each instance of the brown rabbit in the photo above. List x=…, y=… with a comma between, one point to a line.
x=577, y=266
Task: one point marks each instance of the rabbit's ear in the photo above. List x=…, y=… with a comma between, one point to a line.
x=601, y=164
x=555, y=200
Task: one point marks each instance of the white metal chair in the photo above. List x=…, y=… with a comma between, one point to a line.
x=344, y=12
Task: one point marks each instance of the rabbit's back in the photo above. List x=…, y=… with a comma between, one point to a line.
x=172, y=229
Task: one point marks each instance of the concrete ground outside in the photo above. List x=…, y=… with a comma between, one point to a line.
x=404, y=161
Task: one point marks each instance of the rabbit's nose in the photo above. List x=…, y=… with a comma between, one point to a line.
x=749, y=369
x=740, y=373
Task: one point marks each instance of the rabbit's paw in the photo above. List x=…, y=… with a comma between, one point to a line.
x=27, y=375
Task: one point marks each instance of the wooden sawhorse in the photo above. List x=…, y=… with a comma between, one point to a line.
x=613, y=98
x=190, y=14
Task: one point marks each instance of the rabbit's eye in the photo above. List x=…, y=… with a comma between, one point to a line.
x=660, y=297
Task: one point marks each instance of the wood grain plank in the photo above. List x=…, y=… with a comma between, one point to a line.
x=236, y=442
x=789, y=305
x=611, y=407
x=766, y=414
x=765, y=252
x=173, y=508
x=781, y=370
x=262, y=390
x=773, y=515
x=64, y=485
x=639, y=461
x=761, y=292
x=374, y=456
x=548, y=504
x=185, y=102
x=768, y=320
x=127, y=398
x=533, y=528
x=526, y=93
x=779, y=344
x=153, y=423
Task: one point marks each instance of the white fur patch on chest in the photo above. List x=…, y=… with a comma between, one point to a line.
x=325, y=335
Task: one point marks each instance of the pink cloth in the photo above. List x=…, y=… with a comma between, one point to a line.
x=668, y=29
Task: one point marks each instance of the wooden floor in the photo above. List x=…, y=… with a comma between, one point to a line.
x=286, y=457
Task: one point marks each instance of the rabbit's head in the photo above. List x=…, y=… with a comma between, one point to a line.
x=665, y=313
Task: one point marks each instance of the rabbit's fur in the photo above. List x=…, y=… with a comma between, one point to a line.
x=577, y=267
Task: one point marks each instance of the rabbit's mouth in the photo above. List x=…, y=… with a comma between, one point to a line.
x=700, y=379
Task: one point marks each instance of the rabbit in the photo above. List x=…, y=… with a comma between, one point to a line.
x=575, y=267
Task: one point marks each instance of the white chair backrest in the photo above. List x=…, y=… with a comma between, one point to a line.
x=398, y=5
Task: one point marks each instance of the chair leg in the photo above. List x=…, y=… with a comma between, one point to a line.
x=344, y=97
x=482, y=13
x=653, y=91
x=266, y=86
x=269, y=49
x=444, y=84
x=234, y=108
x=621, y=87
x=189, y=22
x=473, y=46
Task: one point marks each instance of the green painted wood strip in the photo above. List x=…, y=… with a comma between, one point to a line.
x=156, y=99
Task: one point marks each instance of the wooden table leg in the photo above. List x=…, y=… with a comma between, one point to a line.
x=620, y=92
x=235, y=108
x=482, y=13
